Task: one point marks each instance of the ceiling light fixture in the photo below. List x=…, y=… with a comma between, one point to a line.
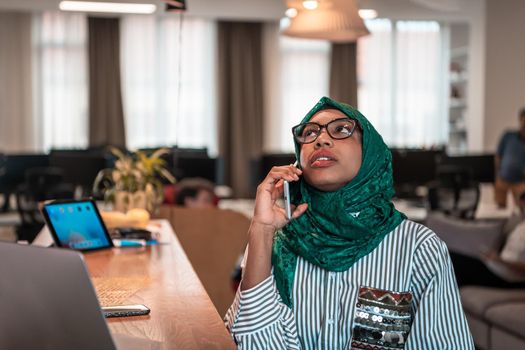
x=113, y=7
x=175, y=5
x=334, y=20
x=367, y=13
x=291, y=12
x=310, y=4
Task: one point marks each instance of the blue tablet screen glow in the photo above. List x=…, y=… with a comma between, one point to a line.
x=77, y=225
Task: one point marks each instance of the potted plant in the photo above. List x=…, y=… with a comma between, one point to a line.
x=135, y=181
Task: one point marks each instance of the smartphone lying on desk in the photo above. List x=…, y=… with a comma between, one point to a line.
x=125, y=310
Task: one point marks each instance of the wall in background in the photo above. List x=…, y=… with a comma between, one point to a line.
x=505, y=68
x=476, y=77
x=482, y=132
x=17, y=127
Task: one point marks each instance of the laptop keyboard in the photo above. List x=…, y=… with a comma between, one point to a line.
x=117, y=290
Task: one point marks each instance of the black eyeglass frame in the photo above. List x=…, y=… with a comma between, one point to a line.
x=321, y=127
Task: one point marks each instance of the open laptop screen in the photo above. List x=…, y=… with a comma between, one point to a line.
x=76, y=225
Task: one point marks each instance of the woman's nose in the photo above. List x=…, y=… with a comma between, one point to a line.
x=323, y=140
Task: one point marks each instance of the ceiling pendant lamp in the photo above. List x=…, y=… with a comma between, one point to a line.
x=334, y=20
x=175, y=5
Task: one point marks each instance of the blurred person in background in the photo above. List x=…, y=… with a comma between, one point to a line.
x=514, y=248
x=196, y=193
x=510, y=164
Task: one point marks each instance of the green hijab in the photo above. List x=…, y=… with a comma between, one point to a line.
x=339, y=227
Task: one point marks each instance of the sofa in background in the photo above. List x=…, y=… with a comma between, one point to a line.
x=496, y=316
x=213, y=240
x=492, y=292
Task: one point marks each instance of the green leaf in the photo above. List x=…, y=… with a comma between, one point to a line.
x=117, y=153
x=167, y=175
x=159, y=152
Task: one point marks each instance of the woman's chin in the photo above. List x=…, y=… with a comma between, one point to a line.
x=325, y=184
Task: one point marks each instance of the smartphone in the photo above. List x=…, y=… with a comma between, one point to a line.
x=287, y=205
x=286, y=194
x=125, y=310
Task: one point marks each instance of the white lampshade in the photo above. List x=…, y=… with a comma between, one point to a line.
x=333, y=20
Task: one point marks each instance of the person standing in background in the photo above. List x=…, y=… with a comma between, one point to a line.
x=510, y=164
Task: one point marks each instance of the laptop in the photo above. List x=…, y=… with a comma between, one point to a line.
x=47, y=301
x=76, y=225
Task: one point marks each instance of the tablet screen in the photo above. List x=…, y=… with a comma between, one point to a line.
x=76, y=225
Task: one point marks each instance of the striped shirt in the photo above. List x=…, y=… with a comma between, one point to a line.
x=411, y=258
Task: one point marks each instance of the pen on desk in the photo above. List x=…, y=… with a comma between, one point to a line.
x=129, y=242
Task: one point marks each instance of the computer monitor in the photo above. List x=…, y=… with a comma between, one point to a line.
x=270, y=160
x=188, y=162
x=190, y=152
x=204, y=167
x=15, y=167
x=414, y=166
x=80, y=166
x=481, y=166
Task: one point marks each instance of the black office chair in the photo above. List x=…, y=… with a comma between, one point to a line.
x=3, y=189
x=40, y=184
x=2, y=164
x=454, y=192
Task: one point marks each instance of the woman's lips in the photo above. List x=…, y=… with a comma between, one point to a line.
x=322, y=160
x=322, y=163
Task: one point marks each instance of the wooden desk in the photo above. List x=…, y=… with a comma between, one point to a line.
x=161, y=277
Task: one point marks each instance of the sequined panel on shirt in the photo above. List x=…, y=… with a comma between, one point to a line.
x=382, y=319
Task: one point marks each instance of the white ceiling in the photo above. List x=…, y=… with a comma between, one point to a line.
x=273, y=9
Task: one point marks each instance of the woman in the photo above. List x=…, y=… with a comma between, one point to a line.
x=348, y=271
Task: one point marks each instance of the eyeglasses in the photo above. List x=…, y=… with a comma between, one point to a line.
x=338, y=129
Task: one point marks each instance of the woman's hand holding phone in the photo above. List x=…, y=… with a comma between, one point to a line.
x=268, y=217
x=267, y=210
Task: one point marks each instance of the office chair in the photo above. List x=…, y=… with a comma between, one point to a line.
x=3, y=189
x=40, y=184
x=454, y=192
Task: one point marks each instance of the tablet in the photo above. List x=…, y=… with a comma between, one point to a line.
x=76, y=225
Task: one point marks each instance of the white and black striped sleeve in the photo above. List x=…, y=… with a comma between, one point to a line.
x=258, y=319
x=439, y=321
